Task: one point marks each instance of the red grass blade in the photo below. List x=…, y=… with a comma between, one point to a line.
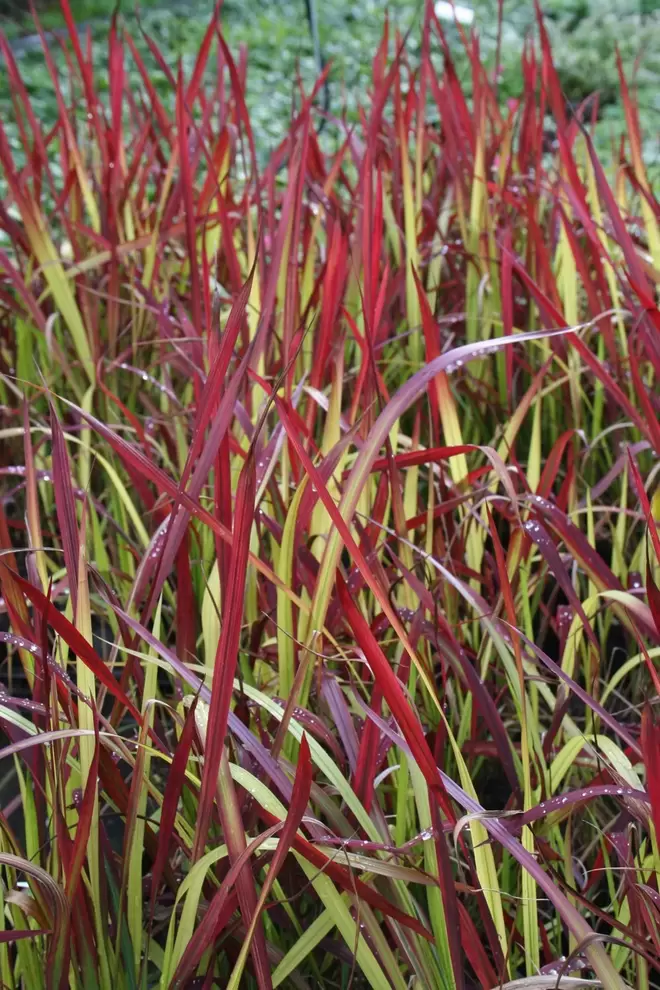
x=227, y=652
x=76, y=642
x=301, y=792
x=210, y=923
x=66, y=505
x=171, y=795
x=650, y=740
x=393, y=694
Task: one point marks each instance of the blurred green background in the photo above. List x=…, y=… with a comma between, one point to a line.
x=585, y=34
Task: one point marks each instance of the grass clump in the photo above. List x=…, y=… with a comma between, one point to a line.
x=329, y=534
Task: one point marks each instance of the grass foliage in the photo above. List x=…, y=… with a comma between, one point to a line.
x=330, y=548
x=585, y=36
